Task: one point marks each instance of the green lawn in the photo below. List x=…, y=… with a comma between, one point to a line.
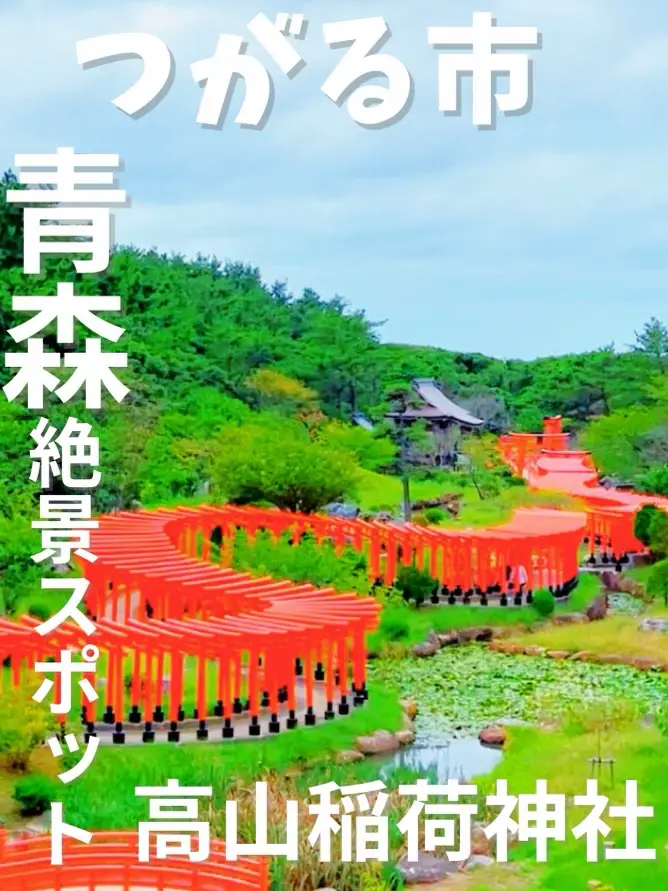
x=89, y=802
x=378, y=491
x=561, y=758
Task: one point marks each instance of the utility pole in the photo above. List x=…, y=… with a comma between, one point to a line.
x=405, y=479
x=403, y=459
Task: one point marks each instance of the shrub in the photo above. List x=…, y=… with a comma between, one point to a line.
x=24, y=726
x=415, y=585
x=655, y=481
x=435, y=515
x=643, y=521
x=39, y=609
x=394, y=626
x=657, y=582
x=34, y=794
x=658, y=534
x=543, y=602
x=304, y=562
x=278, y=463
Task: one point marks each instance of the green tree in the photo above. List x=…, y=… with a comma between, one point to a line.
x=486, y=468
x=529, y=420
x=279, y=464
x=657, y=582
x=658, y=534
x=371, y=451
x=642, y=523
x=277, y=391
x=655, y=480
x=652, y=341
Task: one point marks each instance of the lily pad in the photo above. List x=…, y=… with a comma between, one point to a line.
x=461, y=690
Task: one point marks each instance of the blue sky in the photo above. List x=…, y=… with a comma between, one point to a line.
x=547, y=235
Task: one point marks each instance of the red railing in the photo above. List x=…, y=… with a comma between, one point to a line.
x=111, y=861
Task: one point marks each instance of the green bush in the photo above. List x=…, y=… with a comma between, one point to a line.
x=435, y=515
x=303, y=562
x=277, y=462
x=643, y=522
x=658, y=534
x=655, y=480
x=543, y=603
x=39, y=609
x=34, y=794
x=394, y=626
x=25, y=725
x=415, y=585
x=657, y=581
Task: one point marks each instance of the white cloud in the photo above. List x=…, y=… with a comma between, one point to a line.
x=568, y=201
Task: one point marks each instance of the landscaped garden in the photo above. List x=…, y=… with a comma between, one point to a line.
x=246, y=395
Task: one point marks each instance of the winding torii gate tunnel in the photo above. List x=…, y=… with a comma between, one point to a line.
x=189, y=644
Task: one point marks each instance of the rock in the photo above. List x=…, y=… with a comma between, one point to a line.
x=558, y=654
x=643, y=664
x=534, y=651
x=598, y=608
x=427, y=869
x=425, y=650
x=505, y=646
x=660, y=625
x=480, y=634
x=585, y=656
x=405, y=737
x=382, y=742
x=610, y=580
x=570, y=619
x=631, y=586
x=429, y=647
x=612, y=659
x=410, y=708
x=480, y=844
x=479, y=861
x=349, y=756
x=466, y=635
x=493, y=735
x=407, y=723
x=498, y=646
x=449, y=639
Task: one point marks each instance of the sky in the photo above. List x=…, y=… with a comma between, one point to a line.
x=543, y=236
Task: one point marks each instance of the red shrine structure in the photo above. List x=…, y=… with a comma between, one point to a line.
x=190, y=647
x=168, y=605
x=25, y=865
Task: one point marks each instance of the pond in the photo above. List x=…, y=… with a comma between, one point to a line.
x=462, y=689
x=444, y=758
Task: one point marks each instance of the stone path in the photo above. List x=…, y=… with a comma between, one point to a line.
x=189, y=727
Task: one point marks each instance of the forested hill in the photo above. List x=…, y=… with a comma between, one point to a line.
x=203, y=324
x=243, y=384
x=198, y=332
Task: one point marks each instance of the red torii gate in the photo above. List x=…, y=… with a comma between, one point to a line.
x=255, y=643
x=260, y=645
x=546, y=462
x=468, y=562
